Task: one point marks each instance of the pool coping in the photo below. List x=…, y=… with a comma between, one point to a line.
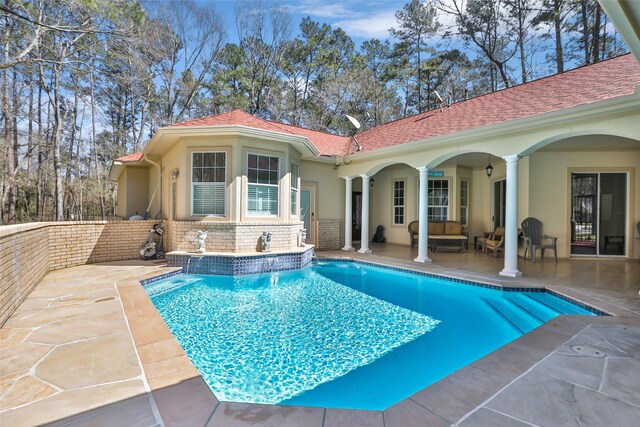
x=173, y=378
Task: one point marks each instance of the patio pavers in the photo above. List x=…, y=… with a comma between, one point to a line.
x=67, y=365
x=573, y=388
x=541, y=399
x=88, y=348
x=67, y=354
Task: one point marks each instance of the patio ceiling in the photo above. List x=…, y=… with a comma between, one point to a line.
x=472, y=160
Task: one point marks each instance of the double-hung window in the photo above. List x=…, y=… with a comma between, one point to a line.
x=263, y=174
x=438, y=199
x=208, y=183
x=295, y=175
x=398, y=202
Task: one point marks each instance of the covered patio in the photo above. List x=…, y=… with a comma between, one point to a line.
x=537, y=179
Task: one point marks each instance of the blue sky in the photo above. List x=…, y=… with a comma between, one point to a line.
x=360, y=19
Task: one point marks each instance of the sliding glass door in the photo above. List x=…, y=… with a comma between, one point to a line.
x=599, y=213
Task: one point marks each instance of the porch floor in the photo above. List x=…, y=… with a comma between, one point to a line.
x=87, y=347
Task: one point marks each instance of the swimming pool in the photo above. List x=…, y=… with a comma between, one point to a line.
x=340, y=334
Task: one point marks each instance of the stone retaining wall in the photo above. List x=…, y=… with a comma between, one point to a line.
x=29, y=251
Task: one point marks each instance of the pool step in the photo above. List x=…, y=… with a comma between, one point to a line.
x=520, y=319
x=555, y=304
x=540, y=311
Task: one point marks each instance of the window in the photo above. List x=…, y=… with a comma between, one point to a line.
x=398, y=202
x=263, y=174
x=464, y=202
x=208, y=183
x=295, y=175
x=438, y=199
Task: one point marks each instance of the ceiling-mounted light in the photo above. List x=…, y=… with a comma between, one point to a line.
x=489, y=168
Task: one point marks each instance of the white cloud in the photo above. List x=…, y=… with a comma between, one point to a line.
x=371, y=25
x=358, y=18
x=322, y=9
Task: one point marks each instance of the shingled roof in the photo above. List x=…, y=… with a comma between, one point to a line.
x=585, y=85
x=326, y=143
x=130, y=158
x=608, y=79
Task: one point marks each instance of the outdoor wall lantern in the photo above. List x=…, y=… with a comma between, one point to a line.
x=372, y=182
x=174, y=174
x=489, y=168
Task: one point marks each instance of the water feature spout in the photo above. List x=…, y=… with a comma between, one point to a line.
x=199, y=258
x=269, y=261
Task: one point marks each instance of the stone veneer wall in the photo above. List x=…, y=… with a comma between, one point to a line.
x=29, y=251
x=329, y=234
x=233, y=237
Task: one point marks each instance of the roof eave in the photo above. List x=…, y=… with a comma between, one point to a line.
x=117, y=167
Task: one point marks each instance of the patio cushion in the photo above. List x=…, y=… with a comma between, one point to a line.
x=436, y=228
x=453, y=227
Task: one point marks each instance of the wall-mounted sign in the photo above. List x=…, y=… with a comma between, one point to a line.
x=436, y=173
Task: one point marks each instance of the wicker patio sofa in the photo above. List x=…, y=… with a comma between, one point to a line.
x=441, y=234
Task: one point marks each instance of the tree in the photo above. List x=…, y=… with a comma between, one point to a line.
x=520, y=18
x=189, y=38
x=303, y=66
x=481, y=24
x=59, y=35
x=227, y=86
x=553, y=11
x=384, y=103
x=417, y=23
x=263, y=45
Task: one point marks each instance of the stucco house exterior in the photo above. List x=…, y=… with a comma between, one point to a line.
x=564, y=149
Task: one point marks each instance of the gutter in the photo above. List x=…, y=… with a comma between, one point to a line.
x=158, y=184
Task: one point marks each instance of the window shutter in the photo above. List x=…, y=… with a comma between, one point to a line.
x=208, y=198
x=262, y=200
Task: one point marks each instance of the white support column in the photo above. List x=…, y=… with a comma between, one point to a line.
x=364, y=240
x=423, y=217
x=511, y=219
x=348, y=213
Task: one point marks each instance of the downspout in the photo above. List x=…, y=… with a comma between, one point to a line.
x=158, y=184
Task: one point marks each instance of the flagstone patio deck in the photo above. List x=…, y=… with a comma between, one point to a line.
x=87, y=347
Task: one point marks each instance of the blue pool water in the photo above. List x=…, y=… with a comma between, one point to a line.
x=339, y=334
